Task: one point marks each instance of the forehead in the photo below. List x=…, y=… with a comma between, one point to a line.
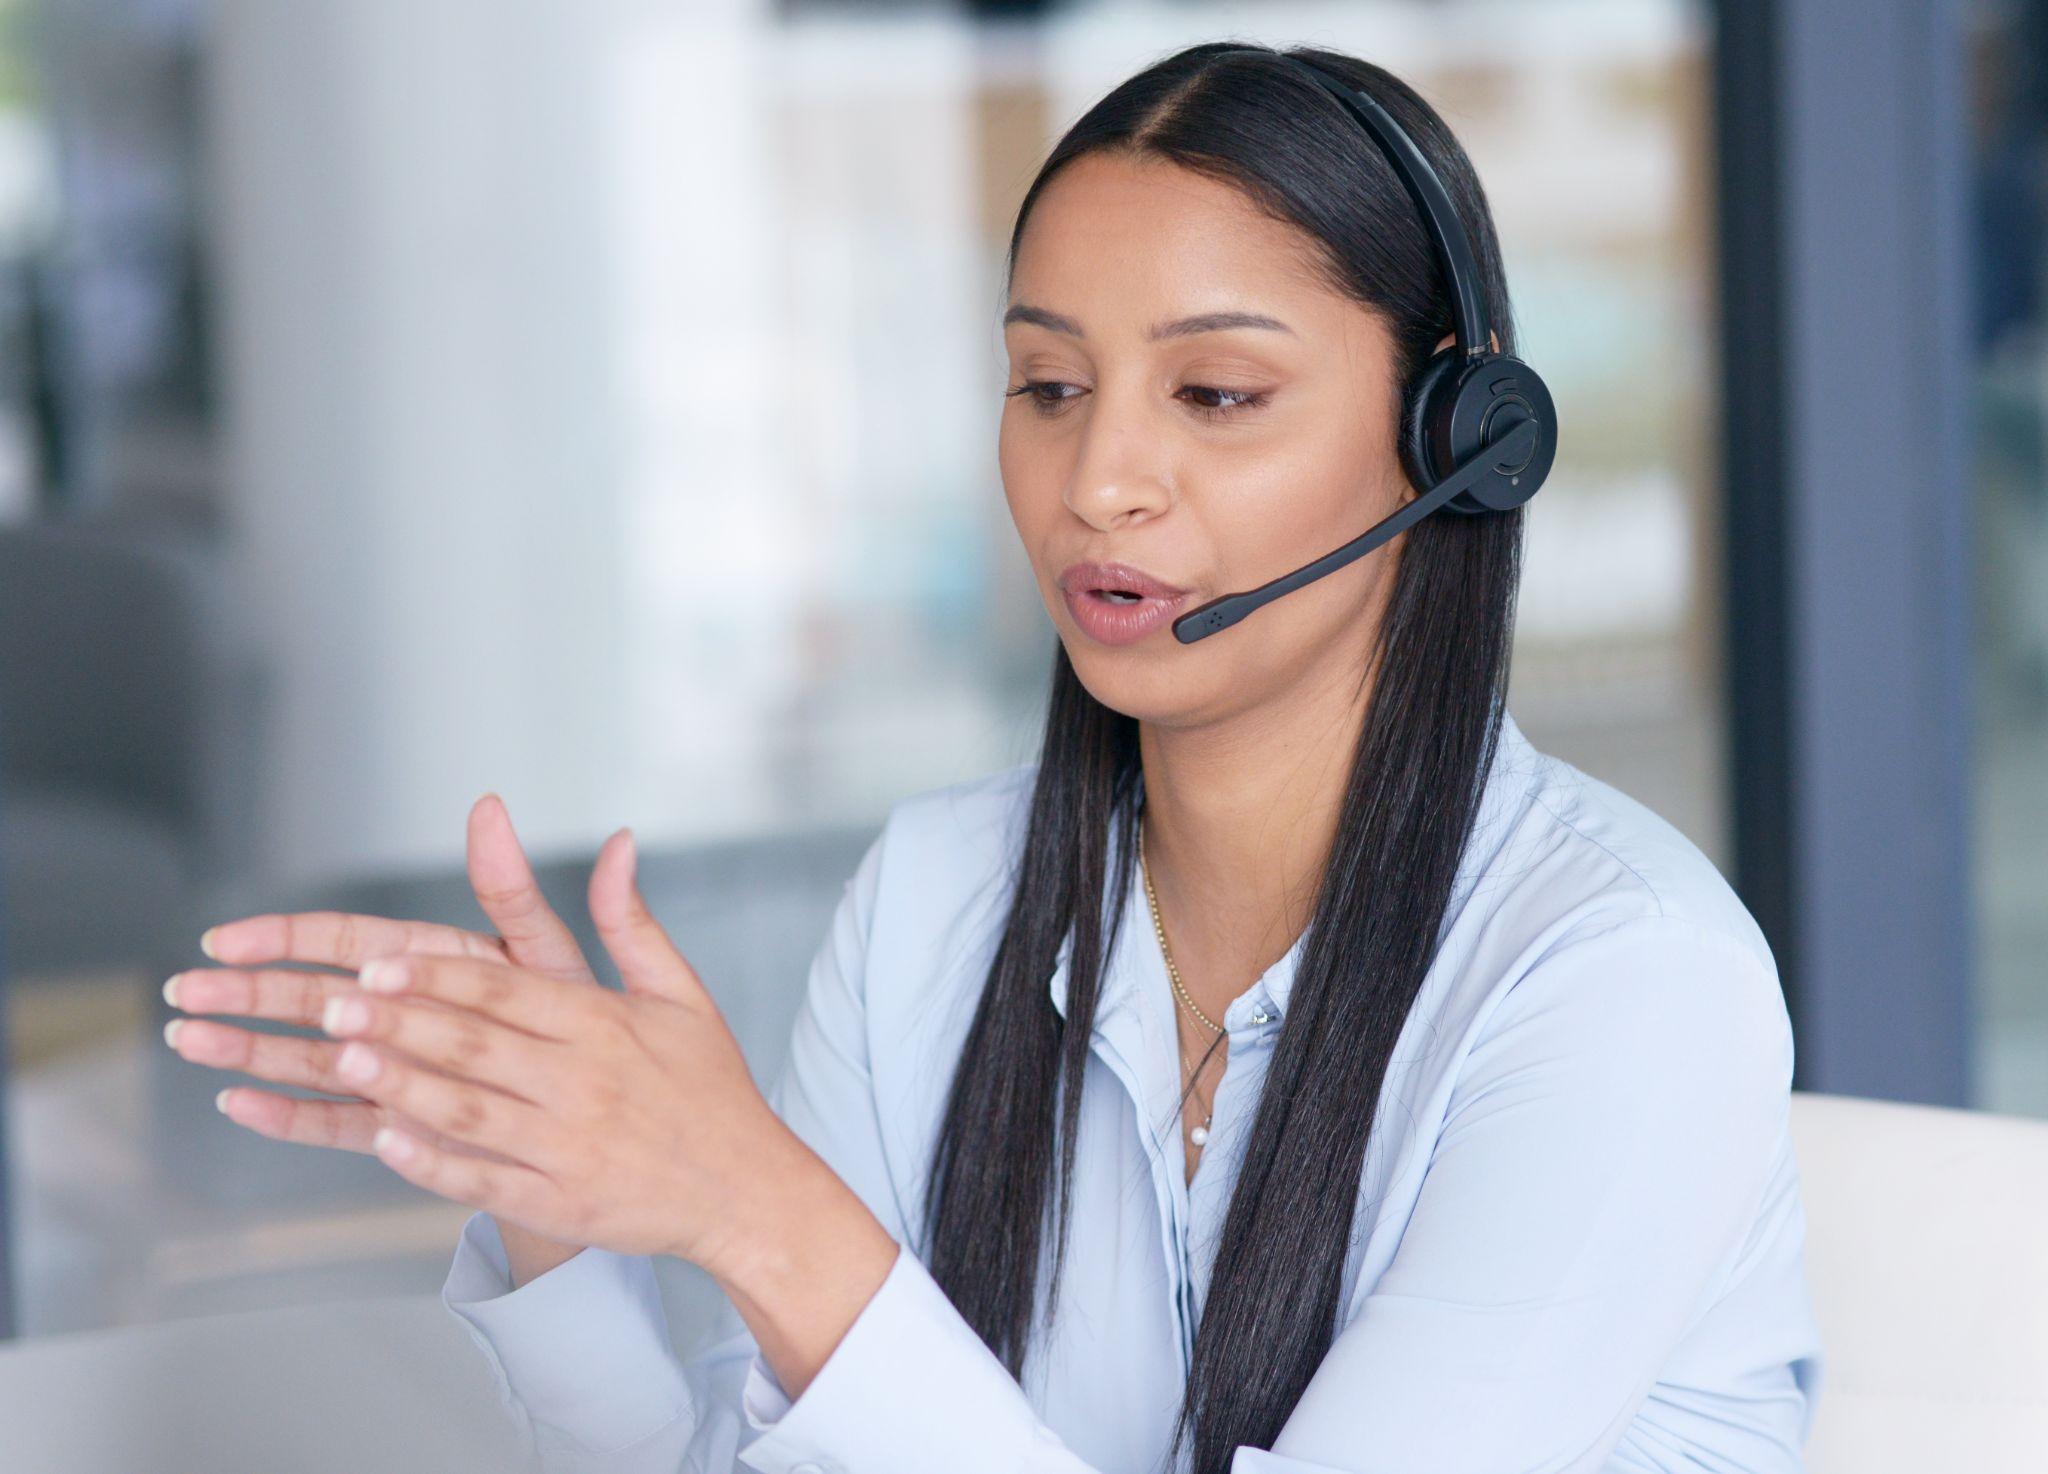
x=1123, y=237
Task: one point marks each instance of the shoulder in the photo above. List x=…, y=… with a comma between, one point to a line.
x=1570, y=855
x=940, y=873
x=1593, y=915
x=946, y=845
x=969, y=815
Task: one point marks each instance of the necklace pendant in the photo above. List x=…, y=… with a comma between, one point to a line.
x=1199, y=1136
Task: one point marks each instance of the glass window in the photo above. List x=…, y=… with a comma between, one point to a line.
x=597, y=404
x=2009, y=116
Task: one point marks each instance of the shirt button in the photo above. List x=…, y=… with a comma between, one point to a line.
x=1262, y=1017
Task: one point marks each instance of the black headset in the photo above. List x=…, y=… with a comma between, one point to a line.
x=1478, y=429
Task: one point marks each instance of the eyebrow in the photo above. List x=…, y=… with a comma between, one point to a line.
x=1184, y=327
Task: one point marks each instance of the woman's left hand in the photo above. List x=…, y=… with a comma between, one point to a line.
x=628, y=1121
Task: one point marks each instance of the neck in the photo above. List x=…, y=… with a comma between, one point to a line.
x=1239, y=818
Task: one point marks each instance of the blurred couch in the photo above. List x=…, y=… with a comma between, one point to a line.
x=1923, y=1252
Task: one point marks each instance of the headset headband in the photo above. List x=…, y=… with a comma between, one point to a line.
x=1468, y=304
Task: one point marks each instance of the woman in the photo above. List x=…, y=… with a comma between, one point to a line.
x=1459, y=1080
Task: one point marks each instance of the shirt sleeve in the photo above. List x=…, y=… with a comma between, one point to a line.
x=582, y=1356
x=1604, y=1148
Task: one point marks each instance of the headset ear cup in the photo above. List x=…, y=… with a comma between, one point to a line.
x=1419, y=455
x=1481, y=404
x=1455, y=406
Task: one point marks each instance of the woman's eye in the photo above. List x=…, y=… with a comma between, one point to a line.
x=1033, y=386
x=1230, y=401
x=1238, y=399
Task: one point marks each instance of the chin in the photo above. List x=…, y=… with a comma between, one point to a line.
x=1148, y=681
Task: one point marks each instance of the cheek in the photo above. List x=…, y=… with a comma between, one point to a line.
x=1301, y=501
x=1030, y=479
x=1288, y=506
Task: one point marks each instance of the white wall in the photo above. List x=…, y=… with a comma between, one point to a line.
x=425, y=436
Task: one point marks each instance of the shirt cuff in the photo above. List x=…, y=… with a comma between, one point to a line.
x=761, y=1397
x=583, y=1349
x=909, y=1389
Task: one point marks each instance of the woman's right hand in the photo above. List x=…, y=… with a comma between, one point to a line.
x=250, y=984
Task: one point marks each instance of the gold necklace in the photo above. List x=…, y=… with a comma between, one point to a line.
x=1199, y=1135
x=1172, y=972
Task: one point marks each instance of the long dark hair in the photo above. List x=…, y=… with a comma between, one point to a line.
x=1439, y=678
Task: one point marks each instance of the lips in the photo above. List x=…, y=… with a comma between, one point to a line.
x=1116, y=578
x=1116, y=604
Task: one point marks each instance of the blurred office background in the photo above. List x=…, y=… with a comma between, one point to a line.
x=596, y=402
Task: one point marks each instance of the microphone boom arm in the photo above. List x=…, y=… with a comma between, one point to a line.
x=1221, y=613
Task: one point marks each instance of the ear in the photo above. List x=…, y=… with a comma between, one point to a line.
x=1492, y=339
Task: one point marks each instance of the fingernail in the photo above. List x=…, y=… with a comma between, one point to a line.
x=206, y=942
x=383, y=974
x=345, y=1015
x=390, y=1143
x=220, y=1101
x=171, y=1031
x=171, y=989
x=357, y=1065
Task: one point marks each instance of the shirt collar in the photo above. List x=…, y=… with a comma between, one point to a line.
x=1136, y=957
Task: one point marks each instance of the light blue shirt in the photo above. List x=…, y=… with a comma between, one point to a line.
x=1579, y=1235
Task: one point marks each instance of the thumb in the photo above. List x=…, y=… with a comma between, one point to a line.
x=648, y=961
x=534, y=935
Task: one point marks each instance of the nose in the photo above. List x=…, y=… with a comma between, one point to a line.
x=1116, y=480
